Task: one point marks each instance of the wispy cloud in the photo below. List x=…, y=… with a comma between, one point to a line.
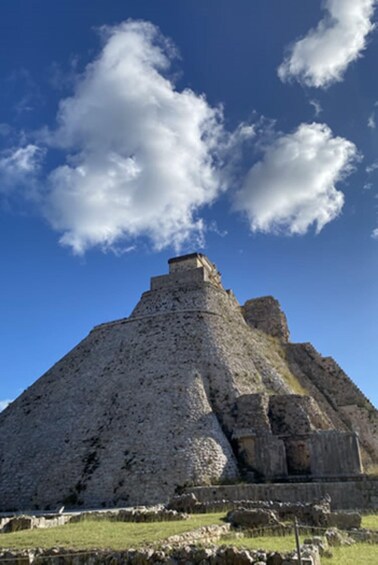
x=18, y=165
x=374, y=234
x=293, y=186
x=317, y=107
x=372, y=167
x=322, y=56
x=371, y=121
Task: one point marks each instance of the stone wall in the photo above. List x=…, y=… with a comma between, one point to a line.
x=334, y=454
x=295, y=414
x=284, y=435
x=262, y=456
x=345, y=495
x=265, y=314
x=251, y=411
x=166, y=554
x=339, y=398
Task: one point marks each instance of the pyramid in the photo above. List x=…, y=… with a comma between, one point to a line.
x=190, y=389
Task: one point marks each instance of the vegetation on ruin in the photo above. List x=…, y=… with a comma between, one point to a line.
x=372, y=469
x=277, y=356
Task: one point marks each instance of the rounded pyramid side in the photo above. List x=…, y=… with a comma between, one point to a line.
x=122, y=419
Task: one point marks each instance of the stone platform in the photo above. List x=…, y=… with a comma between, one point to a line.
x=345, y=495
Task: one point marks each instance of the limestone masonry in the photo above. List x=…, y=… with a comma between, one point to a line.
x=190, y=390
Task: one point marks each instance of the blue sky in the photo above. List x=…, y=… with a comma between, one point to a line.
x=133, y=131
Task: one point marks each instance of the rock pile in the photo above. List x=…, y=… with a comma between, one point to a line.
x=138, y=514
x=185, y=555
x=317, y=513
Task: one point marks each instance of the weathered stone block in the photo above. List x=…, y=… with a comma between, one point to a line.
x=265, y=455
x=18, y=523
x=345, y=520
x=265, y=314
x=252, y=518
x=335, y=453
x=251, y=411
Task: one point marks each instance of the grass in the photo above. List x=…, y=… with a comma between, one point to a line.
x=267, y=543
x=347, y=555
x=91, y=534
x=370, y=522
x=360, y=553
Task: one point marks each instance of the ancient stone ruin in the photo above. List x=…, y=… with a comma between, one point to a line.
x=190, y=390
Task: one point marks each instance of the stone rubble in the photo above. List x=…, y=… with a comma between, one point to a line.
x=165, y=555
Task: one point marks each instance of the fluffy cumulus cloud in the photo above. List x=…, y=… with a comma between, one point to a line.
x=141, y=153
x=293, y=186
x=321, y=57
x=19, y=165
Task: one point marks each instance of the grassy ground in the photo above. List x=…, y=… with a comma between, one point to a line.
x=268, y=543
x=370, y=521
x=348, y=555
x=360, y=553
x=92, y=534
x=114, y=535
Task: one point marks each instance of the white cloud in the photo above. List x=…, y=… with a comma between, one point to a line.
x=374, y=234
x=322, y=56
x=293, y=186
x=317, y=107
x=371, y=168
x=18, y=165
x=141, y=154
x=371, y=121
x=4, y=404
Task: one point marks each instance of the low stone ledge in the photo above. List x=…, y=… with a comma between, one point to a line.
x=364, y=535
x=345, y=495
x=252, y=518
x=317, y=513
x=140, y=514
x=165, y=555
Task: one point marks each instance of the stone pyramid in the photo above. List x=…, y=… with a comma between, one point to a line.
x=190, y=389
